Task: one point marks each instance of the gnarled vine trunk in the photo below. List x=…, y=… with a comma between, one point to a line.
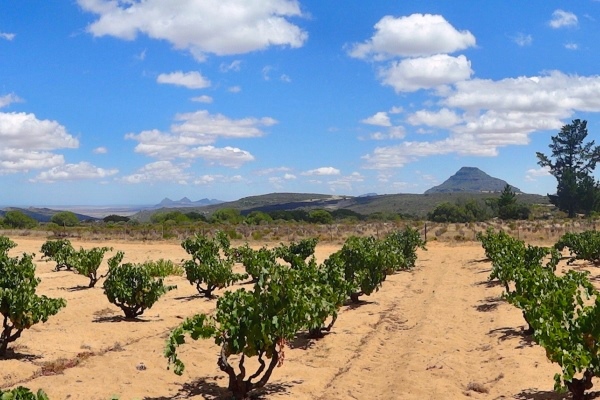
x=7, y=336
x=239, y=386
x=578, y=386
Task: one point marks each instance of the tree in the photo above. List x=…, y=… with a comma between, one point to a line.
x=116, y=218
x=227, y=215
x=320, y=217
x=258, y=217
x=19, y=220
x=508, y=207
x=572, y=164
x=65, y=218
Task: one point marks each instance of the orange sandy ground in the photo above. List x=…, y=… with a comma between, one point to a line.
x=440, y=331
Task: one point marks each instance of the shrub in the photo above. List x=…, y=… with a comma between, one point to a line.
x=296, y=253
x=254, y=260
x=22, y=393
x=87, y=262
x=60, y=251
x=20, y=306
x=211, y=266
x=364, y=269
x=162, y=268
x=248, y=324
x=131, y=287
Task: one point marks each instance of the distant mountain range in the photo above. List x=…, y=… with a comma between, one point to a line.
x=471, y=180
x=466, y=183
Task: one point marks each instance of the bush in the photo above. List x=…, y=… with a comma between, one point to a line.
x=22, y=393
x=364, y=268
x=296, y=254
x=211, y=266
x=60, y=251
x=131, y=287
x=87, y=262
x=162, y=268
x=246, y=324
x=20, y=306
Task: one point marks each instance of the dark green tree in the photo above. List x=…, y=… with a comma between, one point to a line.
x=572, y=162
x=19, y=220
x=227, y=215
x=65, y=218
x=320, y=217
x=507, y=205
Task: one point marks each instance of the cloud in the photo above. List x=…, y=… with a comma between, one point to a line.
x=74, y=172
x=562, y=19
x=8, y=99
x=234, y=89
x=202, y=99
x=269, y=171
x=571, y=46
x=100, y=150
x=379, y=119
x=535, y=173
x=27, y=142
x=494, y=114
x=193, y=133
x=345, y=182
x=235, y=66
x=443, y=118
x=190, y=80
x=522, y=39
x=412, y=74
x=7, y=36
x=210, y=179
x=221, y=27
x=159, y=171
x=322, y=171
x=413, y=36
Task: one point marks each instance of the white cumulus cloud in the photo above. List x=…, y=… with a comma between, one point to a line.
x=412, y=74
x=190, y=80
x=73, y=172
x=194, y=133
x=220, y=27
x=494, y=114
x=412, y=36
x=379, y=119
x=443, y=118
x=159, y=171
x=27, y=142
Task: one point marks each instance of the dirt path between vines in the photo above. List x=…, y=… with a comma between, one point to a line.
x=437, y=332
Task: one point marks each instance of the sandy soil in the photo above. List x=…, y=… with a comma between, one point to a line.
x=440, y=331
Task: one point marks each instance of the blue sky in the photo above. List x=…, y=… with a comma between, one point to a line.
x=129, y=101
